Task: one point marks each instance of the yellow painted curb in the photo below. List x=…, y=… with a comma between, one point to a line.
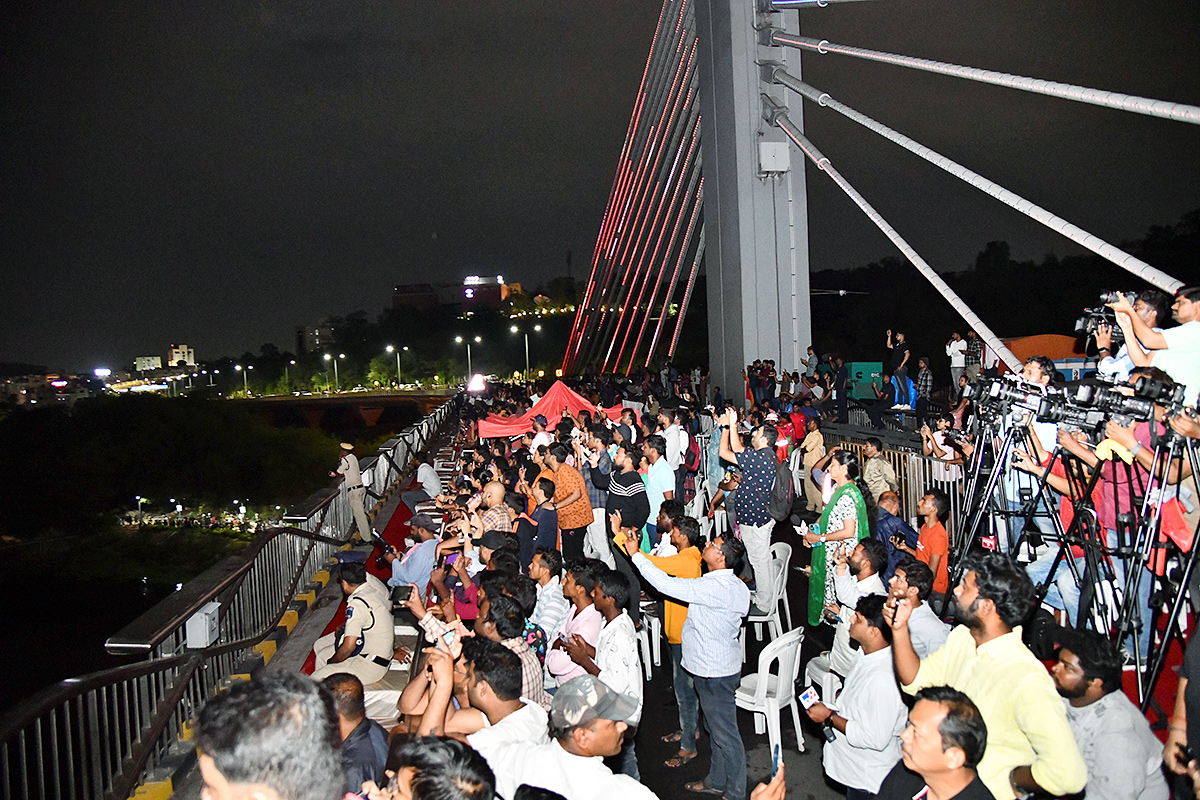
x=321, y=576
x=240, y=676
x=289, y=620
x=153, y=790
x=186, y=731
x=308, y=598
x=267, y=648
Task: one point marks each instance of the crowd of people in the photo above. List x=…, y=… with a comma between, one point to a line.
x=534, y=565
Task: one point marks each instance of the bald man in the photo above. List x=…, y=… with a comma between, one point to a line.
x=892, y=527
x=494, y=512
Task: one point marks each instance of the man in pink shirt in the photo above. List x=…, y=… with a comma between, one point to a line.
x=583, y=620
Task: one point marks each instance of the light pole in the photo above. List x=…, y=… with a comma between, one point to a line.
x=336, y=381
x=140, y=500
x=287, y=378
x=399, y=371
x=514, y=329
x=245, y=381
x=460, y=340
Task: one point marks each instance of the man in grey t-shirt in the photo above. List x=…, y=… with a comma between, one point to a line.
x=1124, y=759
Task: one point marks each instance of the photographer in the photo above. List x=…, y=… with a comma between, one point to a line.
x=1176, y=351
x=1153, y=307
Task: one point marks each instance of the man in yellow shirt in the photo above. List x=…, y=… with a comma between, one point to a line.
x=1030, y=744
x=686, y=564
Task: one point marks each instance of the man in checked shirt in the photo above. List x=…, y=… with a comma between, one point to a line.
x=712, y=654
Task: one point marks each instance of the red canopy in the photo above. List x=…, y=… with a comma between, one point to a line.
x=550, y=406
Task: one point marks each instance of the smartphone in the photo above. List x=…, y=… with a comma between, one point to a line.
x=808, y=697
x=400, y=594
x=775, y=762
x=451, y=642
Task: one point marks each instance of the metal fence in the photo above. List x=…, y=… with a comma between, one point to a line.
x=100, y=735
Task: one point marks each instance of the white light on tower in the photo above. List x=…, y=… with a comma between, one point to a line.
x=102, y=372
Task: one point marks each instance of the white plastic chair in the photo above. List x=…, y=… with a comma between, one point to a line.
x=781, y=556
x=817, y=672
x=766, y=694
x=650, y=643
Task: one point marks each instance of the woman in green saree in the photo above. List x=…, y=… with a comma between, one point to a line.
x=843, y=523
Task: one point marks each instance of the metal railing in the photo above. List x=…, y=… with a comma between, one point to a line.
x=100, y=735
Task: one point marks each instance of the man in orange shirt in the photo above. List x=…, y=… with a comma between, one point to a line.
x=686, y=537
x=570, y=501
x=933, y=543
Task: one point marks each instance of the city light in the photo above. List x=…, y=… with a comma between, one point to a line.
x=102, y=372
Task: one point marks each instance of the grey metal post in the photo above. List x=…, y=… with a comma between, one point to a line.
x=755, y=221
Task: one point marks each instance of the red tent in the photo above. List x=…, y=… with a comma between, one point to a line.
x=550, y=406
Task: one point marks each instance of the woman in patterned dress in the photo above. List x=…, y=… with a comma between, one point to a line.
x=843, y=523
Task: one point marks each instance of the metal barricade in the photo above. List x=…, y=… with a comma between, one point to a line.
x=99, y=735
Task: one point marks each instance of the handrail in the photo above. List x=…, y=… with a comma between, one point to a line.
x=100, y=735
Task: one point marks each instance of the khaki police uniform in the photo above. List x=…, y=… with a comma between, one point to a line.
x=357, y=493
x=369, y=622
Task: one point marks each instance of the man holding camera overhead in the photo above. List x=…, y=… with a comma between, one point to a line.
x=1176, y=351
x=1154, y=307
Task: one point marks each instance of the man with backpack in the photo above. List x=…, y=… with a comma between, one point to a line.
x=759, y=469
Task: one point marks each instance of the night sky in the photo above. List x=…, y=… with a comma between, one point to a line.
x=218, y=173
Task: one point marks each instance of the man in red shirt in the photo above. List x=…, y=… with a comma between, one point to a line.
x=933, y=544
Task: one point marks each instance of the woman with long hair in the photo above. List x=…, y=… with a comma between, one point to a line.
x=843, y=523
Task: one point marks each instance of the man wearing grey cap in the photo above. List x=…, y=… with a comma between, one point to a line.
x=348, y=469
x=415, y=566
x=587, y=719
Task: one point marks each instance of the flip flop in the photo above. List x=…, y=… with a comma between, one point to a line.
x=700, y=788
x=671, y=738
x=679, y=759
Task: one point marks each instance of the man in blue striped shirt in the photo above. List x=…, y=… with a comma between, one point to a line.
x=712, y=654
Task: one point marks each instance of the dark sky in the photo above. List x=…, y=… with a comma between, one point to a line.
x=217, y=173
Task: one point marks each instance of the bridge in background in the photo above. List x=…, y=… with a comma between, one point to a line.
x=712, y=176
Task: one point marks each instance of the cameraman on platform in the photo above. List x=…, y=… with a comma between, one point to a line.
x=1153, y=308
x=1176, y=351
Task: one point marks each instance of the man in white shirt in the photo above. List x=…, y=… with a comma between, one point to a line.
x=855, y=576
x=1154, y=307
x=913, y=579
x=956, y=348
x=429, y=483
x=587, y=723
x=614, y=659
x=677, y=442
x=1176, y=351
x=551, y=607
x=869, y=714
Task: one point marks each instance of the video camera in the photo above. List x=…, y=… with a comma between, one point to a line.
x=1093, y=318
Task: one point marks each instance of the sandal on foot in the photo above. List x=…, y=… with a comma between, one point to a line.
x=679, y=759
x=671, y=738
x=700, y=788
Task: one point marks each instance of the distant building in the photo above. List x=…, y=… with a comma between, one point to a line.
x=314, y=338
x=475, y=292
x=143, y=363
x=181, y=355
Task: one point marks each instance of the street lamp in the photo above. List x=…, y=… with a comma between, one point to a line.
x=245, y=382
x=287, y=378
x=336, y=381
x=459, y=339
x=140, y=500
x=514, y=329
x=399, y=372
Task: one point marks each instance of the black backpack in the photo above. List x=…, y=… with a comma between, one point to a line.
x=783, y=494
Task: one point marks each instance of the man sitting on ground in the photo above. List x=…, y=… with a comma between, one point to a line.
x=363, y=646
x=415, y=565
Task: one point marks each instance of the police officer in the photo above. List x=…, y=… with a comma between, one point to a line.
x=363, y=646
x=348, y=469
